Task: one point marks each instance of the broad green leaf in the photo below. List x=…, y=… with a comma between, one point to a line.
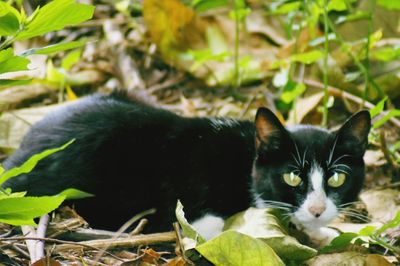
x=392, y=224
x=285, y=8
x=9, y=19
x=21, y=211
x=264, y=225
x=357, y=15
x=10, y=63
x=53, y=74
x=339, y=242
x=386, y=54
x=14, y=82
x=71, y=59
x=7, y=193
x=30, y=163
x=385, y=118
x=308, y=57
x=236, y=249
x=378, y=108
x=367, y=231
x=390, y=4
x=204, y=5
x=188, y=229
x=337, y=5
x=291, y=91
x=55, y=16
x=73, y=193
x=54, y=48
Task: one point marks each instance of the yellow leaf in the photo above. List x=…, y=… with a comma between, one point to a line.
x=71, y=96
x=173, y=26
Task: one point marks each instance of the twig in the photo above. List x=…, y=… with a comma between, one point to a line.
x=394, y=168
x=340, y=93
x=180, y=250
x=123, y=228
x=30, y=240
x=41, y=232
x=121, y=242
x=139, y=228
x=68, y=244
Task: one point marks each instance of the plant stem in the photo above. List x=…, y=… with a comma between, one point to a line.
x=367, y=63
x=236, y=52
x=325, y=72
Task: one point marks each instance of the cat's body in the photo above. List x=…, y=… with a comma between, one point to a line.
x=134, y=157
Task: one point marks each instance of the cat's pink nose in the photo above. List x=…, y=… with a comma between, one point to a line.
x=317, y=209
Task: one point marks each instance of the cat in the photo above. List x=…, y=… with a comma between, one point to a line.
x=133, y=157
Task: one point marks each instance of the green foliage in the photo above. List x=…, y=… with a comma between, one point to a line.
x=367, y=235
x=188, y=230
x=10, y=63
x=389, y=4
x=22, y=210
x=30, y=163
x=236, y=249
x=16, y=209
x=54, y=16
x=308, y=57
x=73, y=194
x=16, y=25
x=50, y=49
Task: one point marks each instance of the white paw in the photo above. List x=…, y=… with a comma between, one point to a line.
x=322, y=236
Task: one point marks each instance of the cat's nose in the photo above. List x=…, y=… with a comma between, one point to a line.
x=317, y=209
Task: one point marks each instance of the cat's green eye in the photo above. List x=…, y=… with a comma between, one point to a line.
x=336, y=180
x=291, y=179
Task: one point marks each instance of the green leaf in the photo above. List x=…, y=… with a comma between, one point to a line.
x=9, y=19
x=264, y=225
x=378, y=108
x=71, y=59
x=73, y=193
x=30, y=163
x=54, y=48
x=13, y=82
x=236, y=249
x=55, y=16
x=188, y=229
x=339, y=242
x=308, y=57
x=386, y=54
x=367, y=231
x=285, y=8
x=7, y=193
x=385, y=118
x=390, y=4
x=337, y=5
x=291, y=91
x=10, y=63
x=22, y=211
x=204, y=5
x=392, y=224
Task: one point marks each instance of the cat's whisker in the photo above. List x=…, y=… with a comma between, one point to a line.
x=357, y=216
x=349, y=203
x=295, y=159
x=304, y=158
x=332, y=151
x=339, y=158
x=278, y=203
x=342, y=165
x=298, y=154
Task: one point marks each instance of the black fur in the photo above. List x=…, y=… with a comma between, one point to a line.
x=134, y=157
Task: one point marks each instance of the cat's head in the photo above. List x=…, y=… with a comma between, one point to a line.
x=308, y=171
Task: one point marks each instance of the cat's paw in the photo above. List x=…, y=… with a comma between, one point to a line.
x=322, y=236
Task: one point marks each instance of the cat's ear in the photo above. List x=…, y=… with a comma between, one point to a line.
x=270, y=133
x=353, y=135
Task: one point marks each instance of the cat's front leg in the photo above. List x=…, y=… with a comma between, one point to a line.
x=321, y=236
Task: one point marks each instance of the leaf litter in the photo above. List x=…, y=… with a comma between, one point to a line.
x=188, y=67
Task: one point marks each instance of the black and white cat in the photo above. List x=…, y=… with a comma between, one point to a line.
x=134, y=157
